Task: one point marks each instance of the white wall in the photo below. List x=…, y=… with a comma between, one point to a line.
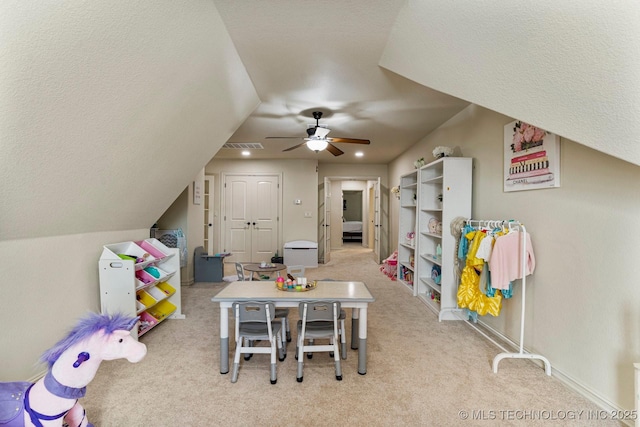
x=338, y=170
x=195, y=226
x=48, y=283
x=185, y=215
x=570, y=67
x=583, y=304
x=107, y=112
x=299, y=182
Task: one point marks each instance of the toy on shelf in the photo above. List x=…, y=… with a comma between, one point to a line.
x=436, y=274
x=435, y=226
x=73, y=362
x=410, y=238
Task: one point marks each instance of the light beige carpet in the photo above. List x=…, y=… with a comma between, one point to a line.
x=420, y=372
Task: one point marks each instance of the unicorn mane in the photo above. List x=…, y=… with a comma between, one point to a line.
x=85, y=328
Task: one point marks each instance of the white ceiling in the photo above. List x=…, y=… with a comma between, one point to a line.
x=305, y=56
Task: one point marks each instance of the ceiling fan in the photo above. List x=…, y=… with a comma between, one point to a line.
x=317, y=138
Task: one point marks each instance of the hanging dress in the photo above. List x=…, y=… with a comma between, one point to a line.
x=469, y=294
x=506, y=263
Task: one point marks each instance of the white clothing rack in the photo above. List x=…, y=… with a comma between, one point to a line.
x=517, y=226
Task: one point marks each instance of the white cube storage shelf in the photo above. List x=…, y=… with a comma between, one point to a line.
x=430, y=199
x=407, y=229
x=141, y=278
x=444, y=193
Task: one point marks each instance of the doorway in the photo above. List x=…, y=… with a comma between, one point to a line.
x=352, y=216
x=374, y=221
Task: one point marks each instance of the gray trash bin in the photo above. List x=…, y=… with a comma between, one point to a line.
x=207, y=268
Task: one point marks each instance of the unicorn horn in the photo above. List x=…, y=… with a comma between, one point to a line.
x=132, y=323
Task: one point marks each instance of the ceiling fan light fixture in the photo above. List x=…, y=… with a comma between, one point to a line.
x=317, y=138
x=317, y=144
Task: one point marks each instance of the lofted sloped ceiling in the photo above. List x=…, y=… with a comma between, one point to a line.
x=571, y=67
x=304, y=56
x=392, y=71
x=109, y=110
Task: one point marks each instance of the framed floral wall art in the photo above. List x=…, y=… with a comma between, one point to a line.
x=531, y=157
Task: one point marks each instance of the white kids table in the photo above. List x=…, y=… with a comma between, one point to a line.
x=354, y=295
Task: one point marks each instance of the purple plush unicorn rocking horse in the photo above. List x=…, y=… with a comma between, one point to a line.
x=73, y=362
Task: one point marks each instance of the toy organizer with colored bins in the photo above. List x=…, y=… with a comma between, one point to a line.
x=141, y=278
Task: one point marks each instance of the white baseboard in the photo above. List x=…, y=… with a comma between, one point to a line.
x=570, y=382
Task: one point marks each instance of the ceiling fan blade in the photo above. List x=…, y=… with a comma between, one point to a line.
x=334, y=150
x=350, y=140
x=282, y=137
x=294, y=147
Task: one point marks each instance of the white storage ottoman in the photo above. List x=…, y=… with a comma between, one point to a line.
x=301, y=252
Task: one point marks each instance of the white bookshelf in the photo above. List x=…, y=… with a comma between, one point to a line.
x=444, y=193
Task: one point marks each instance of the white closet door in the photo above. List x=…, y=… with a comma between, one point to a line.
x=264, y=222
x=238, y=217
x=252, y=210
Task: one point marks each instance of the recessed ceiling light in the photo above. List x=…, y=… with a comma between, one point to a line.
x=246, y=153
x=359, y=154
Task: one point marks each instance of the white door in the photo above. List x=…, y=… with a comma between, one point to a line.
x=376, y=221
x=335, y=214
x=371, y=215
x=324, y=223
x=321, y=201
x=251, y=206
x=264, y=223
x=208, y=213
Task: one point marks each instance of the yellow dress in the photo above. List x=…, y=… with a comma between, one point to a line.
x=469, y=294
